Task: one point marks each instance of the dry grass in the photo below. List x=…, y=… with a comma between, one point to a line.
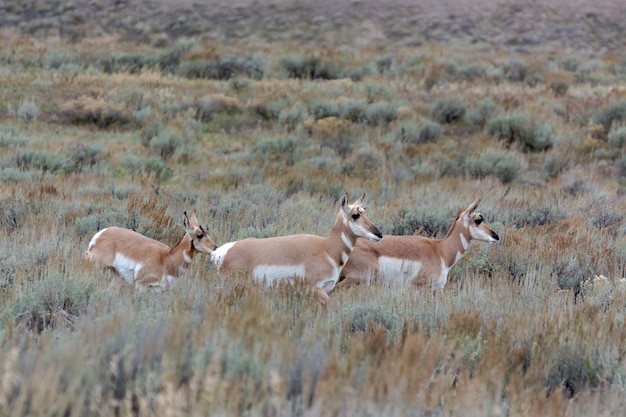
x=531, y=326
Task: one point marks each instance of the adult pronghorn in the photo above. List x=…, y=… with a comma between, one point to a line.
x=315, y=259
x=145, y=262
x=416, y=259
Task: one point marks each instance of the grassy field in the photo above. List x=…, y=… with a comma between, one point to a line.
x=260, y=117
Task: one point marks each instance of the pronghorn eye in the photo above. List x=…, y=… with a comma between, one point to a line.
x=355, y=216
x=200, y=237
x=478, y=221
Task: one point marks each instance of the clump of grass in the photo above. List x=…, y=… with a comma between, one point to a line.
x=611, y=113
x=97, y=111
x=448, y=109
x=530, y=135
x=417, y=132
x=321, y=109
x=46, y=161
x=431, y=222
x=617, y=137
x=573, y=372
x=485, y=109
x=502, y=165
x=380, y=113
x=309, y=67
x=55, y=301
x=352, y=109
x=209, y=105
x=28, y=111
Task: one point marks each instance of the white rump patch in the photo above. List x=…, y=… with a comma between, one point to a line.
x=93, y=240
x=126, y=267
x=398, y=271
x=218, y=255
x=275, y=273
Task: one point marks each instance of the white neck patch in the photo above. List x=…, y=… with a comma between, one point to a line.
x=346, y=241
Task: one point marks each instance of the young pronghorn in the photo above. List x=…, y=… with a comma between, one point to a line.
x=315, y=259
x=145, y=262
x=416, y=259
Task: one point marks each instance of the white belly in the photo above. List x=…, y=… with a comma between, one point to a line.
x=275, y=273
x=126, y=267
x=398, y=271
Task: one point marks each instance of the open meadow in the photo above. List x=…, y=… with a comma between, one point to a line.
x=260, y=117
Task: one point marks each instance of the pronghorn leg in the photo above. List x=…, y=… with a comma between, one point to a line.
x=321, y=296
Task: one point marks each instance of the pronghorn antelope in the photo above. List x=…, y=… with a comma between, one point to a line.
x=416, y=259
x=315, y=259
x=145, y=262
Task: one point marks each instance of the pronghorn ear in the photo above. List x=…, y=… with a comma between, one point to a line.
x=344, y=201
x=360, y=201
x=472, y=206
x=194, y=219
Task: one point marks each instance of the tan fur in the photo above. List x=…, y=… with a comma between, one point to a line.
x=158, y=260
x=321, y=258
x=364, y=264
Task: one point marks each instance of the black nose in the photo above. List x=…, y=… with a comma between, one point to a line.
x=495, y=236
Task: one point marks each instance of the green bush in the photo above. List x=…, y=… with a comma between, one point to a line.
x=380, y=113
x=54, y=301
x=431, y=221
x=320, y=109
x=530, y=136
x=504, y=166
x=352, y=109
x=198, y=68
x=417, y=132
x=485, y=109
x=28, y=111
x=448, y=109
x=292, y=117
x=617, y=137
x=573, y=372
x=611, y=113
x=46, y=161
x=165, y=144
x=309, y=67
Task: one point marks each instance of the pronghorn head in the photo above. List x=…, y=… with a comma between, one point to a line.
x=475, y=224
x=355, y=218
x=200, y=239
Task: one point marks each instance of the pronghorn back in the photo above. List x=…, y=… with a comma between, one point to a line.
x=417, y=259
x=318, y=260
x=145, y=262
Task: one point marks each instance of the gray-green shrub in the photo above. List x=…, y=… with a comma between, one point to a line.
x=617, y=137
x=448, y=109
x=485, y=109
x=416, y=132
x=352, y=109
x=380, y=113
x=504, y=166
x=611, y=113
x=530, y=135
x=28, y=111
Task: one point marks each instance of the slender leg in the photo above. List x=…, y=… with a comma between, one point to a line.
x=321, y=296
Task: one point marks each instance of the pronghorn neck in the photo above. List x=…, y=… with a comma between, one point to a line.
x=455, y=244
x=182, y=253
x=341, y=240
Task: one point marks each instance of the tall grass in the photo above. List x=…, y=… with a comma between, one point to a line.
x=263, y=142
